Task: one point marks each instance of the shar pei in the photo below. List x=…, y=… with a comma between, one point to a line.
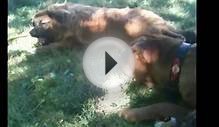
x=70, y=25
x=170, y=64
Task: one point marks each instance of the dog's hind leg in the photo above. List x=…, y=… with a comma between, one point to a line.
x=157, y=111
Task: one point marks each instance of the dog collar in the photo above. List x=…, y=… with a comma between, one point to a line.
x=178, y=61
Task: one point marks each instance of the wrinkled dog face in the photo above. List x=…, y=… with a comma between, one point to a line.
x=48, y=26
x=141, y=68
x=43, y=29
x=146, y=54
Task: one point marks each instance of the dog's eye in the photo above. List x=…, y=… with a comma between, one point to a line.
x=41, y=22
x=45, y=25
x=44, y=21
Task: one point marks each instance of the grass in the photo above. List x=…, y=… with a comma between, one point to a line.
x=45, y=88
x=50, y=89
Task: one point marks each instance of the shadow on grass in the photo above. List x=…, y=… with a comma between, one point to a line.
x=141, y=96
x=47, y=87
x=21, y=18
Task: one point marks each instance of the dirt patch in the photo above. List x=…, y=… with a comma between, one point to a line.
x=114, y=100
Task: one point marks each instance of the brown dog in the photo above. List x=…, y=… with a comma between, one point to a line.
x=71, y=24
x=154, y=60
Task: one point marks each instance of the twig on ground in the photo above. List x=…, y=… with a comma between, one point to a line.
x=19, y=36
x=41, y=102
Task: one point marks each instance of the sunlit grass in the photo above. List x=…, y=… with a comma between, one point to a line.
x=47, y=88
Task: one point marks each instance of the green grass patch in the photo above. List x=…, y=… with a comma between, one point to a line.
x=45, y=83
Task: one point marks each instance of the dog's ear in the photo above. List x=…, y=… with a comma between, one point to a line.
x=146, y=49
x=148, y=55
x=60, y=15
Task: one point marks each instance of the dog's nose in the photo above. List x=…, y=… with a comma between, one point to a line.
x=32, y=33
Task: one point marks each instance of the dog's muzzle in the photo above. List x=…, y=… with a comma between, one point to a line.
x=33, y=33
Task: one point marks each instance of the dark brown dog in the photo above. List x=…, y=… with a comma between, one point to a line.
x=72, y=24
x=154, y=57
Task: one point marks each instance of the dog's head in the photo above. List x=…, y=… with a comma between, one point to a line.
x=49, y=25
x=146, y=53
x=151, y=54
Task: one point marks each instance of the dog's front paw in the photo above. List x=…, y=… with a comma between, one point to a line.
x=128, y=115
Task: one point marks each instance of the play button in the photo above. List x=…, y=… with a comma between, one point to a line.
x=108, y=62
